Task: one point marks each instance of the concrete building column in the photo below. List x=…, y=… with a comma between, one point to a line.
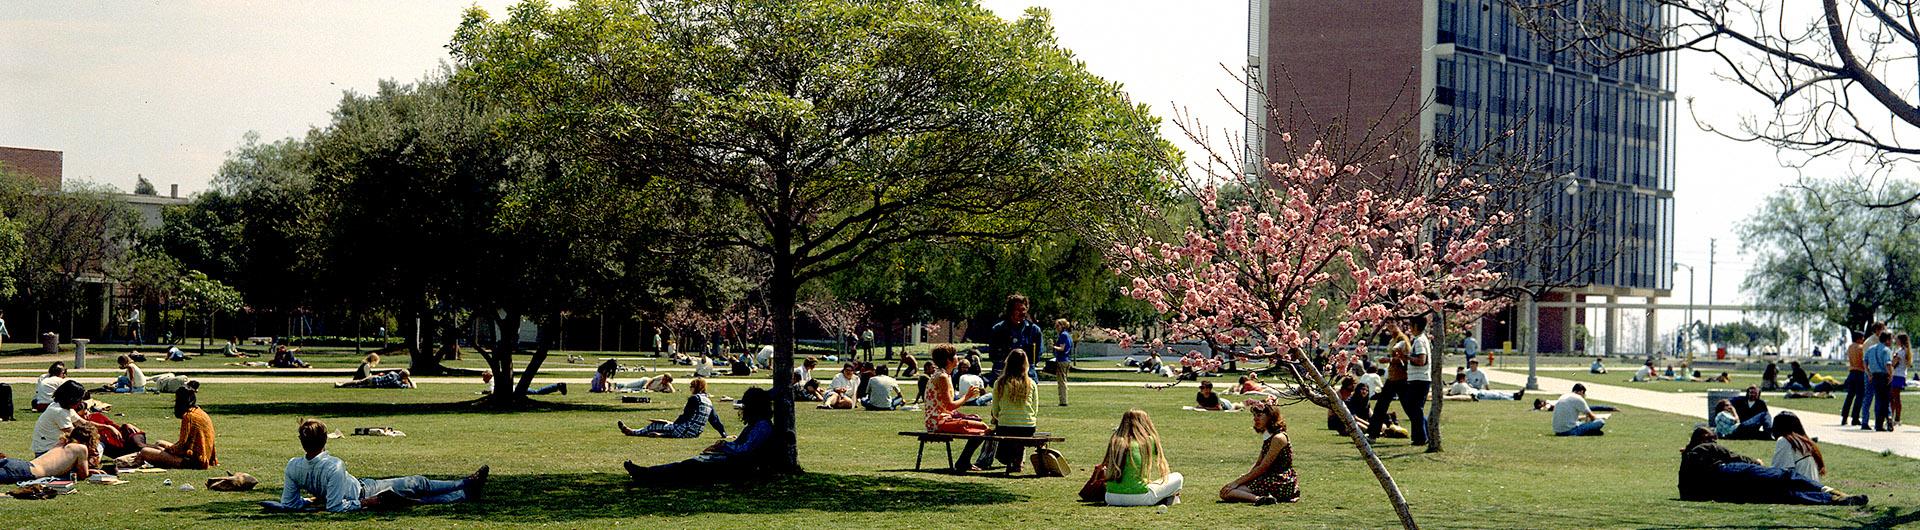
x=1652, y=330
x=1566, y=329
x=1613, y=325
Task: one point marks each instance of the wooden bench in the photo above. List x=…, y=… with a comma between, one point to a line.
x=1038, y=440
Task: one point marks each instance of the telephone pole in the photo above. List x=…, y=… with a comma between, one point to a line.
x=1713, y=249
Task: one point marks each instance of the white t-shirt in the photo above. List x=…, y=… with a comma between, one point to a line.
x=842, y=382
x=967, y=383
x=881, y=389
x=1785, y=457
x=1568, y=411
x=47, y=431
x=43, y=393
x=1477, y=379
x=1459, y=389
x=801, y=374
x=136, y=377
x=1422, y=347
x=1899, y=357
x=1373, y=382
x=1645, y=374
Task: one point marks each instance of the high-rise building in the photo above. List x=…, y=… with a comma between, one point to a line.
x=1469, y=75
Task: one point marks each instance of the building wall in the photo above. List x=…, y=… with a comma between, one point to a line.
x=45, y=167
x=1344, y=62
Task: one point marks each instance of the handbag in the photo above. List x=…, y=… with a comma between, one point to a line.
x=1096, y=488
x=1049, y=463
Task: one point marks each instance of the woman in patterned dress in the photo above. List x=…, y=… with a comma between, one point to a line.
x=1272, y=478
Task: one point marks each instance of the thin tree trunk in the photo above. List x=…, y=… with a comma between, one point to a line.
x=781, y=293
x=539, y=355
x=501, y=362
x=1359, y=439
x=1435, y=362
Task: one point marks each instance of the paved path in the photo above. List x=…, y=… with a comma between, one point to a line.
x=582, y=383
x=1817, y=414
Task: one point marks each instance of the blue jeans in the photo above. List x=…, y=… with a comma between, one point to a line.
x=1591, y=428
x=1760, y=427
x=549, y=389
x=122, y=385
x=418, y=488
x=1853, y=407
x=896, y=403
x=980, y=401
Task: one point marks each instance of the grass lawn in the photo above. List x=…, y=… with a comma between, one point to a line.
x=1739, y=380
x=560, y=465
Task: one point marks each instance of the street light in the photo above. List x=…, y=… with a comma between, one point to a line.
x=1689, y=324
x=1570, y=184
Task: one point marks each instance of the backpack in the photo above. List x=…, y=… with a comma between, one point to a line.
x=1048, y=463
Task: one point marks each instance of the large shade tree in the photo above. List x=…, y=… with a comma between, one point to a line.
x=818, y=133
x=1818, y=254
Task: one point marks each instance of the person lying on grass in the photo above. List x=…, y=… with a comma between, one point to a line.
x=1272, y=478
x=1711, y=472
x=394, y=379
x=724, y=460
x=692, y=421
x=1206, y=399
x=74, y=457
x=334, y=490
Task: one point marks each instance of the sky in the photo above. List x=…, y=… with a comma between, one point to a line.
x=167, y=89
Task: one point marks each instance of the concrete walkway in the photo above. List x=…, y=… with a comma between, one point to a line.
x=1819, y=415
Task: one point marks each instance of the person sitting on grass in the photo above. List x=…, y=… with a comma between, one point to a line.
x=1272, y=478
x=1015, y=413
x=1136, y=465
x=1476, y=379
x=1645, y=374
x=43, y=389
x=195, y=449
x=71, y=457
x=1794, y=450
x=1770, y=377
x=843, y=392
x=366, y=366
x=1572, y=417
x=1711, y=472
x=1461, y=391
x=60, y=418
x=693, y=419
x=809, y=391
x=724, y=460
x=283, y=358
x=116, y=439
x=971, y=388
x=1756, y=422
x=335, y=490
x=175, y=355
x=1725, y=419
x=1797, y=379
x=1597, y=367
x=942, y=409
x=740, y=366
x=883, y=392
x=131, y=379
x=233, y=350
x=1722, y=378
x=391, y=379
x=1205, y=399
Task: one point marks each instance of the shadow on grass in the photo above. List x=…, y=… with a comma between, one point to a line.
x=584, y=496
x=365, y=409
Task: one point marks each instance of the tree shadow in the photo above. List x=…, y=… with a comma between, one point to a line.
x=585, y=496
x=365, y=409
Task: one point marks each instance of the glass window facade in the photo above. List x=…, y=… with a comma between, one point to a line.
x=1609, y=126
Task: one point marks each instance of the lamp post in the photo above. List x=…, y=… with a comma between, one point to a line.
x=1689, y=324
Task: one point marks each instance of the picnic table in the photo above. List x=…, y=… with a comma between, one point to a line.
x=1038, y=440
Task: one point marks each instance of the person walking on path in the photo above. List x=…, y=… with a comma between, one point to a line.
x=1851, y=409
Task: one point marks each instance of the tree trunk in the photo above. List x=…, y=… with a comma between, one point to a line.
x=422, y=357
x=539, y=355
x=1436, y=365
x=1360, y=442
x=782, y=289
x=501, y=361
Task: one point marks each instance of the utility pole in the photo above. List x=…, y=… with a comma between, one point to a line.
x=1713, y=248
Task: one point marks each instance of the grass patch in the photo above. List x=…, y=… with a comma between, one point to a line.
x=559, y=463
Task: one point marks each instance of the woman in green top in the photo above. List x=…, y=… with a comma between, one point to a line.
x=1272, y=478
x=1012, y=414
x=1144, y=479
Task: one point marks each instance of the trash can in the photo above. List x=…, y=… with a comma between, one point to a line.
x=50, y=343
x=1715, y=395
x=80, y=353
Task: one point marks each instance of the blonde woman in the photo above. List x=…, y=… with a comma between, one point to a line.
x=1012, y=413
x=1136, y=465
x=366, y=366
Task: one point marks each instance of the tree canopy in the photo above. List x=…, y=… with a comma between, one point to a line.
x=1819, y=254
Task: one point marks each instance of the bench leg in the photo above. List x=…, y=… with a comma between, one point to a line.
x=918, y=455
x=950, y=464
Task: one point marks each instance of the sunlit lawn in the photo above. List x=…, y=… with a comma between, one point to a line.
x=560, y=465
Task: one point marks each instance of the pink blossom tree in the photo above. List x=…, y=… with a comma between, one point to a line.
x=840, y=317
x=1312, y=252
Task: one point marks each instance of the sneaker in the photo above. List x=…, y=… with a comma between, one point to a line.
x=1520, y=394
x=1265, y=500
x=477, y=483
x=563, y=389
x=1854, y=500
x=634, y=470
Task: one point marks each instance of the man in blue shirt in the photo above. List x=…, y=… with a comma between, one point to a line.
x=1015, y=332
x=334, y=490
x=1471, y=346
x=1879, y=361
x=1062, y=356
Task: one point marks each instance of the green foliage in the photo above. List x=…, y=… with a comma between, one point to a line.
x=144, y=187
x=62, y=236
x=1745, y=335
x=1820, y=253
x=209, y=295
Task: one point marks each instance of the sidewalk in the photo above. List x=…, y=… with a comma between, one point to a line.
x=1819, y=417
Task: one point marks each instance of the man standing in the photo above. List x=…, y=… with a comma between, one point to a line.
x=1407, y=381
x=866, y=342
x=1572, y=416
x=1471, y=346
x=133, y=326
x=657, y=350
x=1879, y=363
x=1852, y=408
x=1062, y=356
x=1015, y=332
